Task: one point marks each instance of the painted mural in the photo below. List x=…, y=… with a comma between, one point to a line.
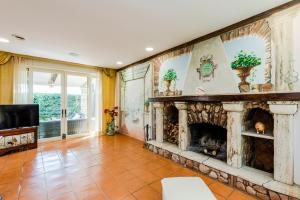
x=237, y=61
x=259, y=57
x=133, y=94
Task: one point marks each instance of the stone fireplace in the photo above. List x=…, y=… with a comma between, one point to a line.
x=207, y=129
x=217, y=135
x=208, y=139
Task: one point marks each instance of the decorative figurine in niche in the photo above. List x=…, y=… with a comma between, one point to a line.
x=260, y=128
x=207, y=68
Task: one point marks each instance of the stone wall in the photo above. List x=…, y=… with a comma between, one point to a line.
x=211, y=113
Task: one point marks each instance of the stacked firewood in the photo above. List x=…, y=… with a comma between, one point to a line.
x=172, y=131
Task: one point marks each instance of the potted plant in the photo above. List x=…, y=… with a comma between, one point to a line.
x=242, y=64
x=111, y=127
x=170, y=76
x=147, y=104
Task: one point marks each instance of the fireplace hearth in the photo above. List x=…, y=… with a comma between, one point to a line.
x=209, y=139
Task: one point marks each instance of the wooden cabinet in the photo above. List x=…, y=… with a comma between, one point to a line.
x=18, y=139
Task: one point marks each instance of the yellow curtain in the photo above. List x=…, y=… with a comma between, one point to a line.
x=108, y=94
x=6, y=78
x=4, y=57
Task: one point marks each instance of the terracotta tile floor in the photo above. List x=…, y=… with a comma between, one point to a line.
x=91, y=168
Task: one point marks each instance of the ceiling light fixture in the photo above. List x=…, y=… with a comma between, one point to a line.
x=18, y=37
x=119, y=63
x=4, y=40
x=149, y=49
x=73, y=54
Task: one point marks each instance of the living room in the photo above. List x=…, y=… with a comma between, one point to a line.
x=150, y=100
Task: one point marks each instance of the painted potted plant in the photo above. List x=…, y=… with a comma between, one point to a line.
x=242, y=64
x=111, y=127
x=169, y=76
x=147, y=104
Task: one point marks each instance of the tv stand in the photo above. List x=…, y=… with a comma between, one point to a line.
x=18, y=139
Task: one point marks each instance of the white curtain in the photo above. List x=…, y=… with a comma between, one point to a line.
x=20, y=82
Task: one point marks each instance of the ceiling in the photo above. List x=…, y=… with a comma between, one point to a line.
x=105, y=31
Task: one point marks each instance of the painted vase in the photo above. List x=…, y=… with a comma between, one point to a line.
x=243, y=73
x=168, y=85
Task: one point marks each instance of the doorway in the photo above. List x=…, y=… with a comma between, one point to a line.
x=67, y=103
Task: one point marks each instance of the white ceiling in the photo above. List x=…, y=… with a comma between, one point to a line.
x=105, y=31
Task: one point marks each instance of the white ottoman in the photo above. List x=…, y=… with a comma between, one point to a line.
x=185, y=188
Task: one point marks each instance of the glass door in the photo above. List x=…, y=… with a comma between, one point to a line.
x=67, y=102
x=47, y=92
x=77, y=104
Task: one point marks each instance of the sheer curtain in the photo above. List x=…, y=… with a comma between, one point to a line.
x=20, y=82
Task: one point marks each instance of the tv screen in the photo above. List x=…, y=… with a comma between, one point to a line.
x=19, y=116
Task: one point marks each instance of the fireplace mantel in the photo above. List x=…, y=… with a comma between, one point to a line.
x=271, y=96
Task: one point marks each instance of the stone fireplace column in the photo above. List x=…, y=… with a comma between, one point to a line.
x=159, y=121
x=184, y=139
x=234, y=132
x=284, y=139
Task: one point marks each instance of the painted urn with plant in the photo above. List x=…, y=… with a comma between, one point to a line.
x=111, y=126
x=169, y=76
x=147, y=104
x=243, y=64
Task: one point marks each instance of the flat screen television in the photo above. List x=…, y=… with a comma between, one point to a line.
x=19, y=116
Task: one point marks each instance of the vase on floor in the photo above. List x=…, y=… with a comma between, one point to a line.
x=111, y=128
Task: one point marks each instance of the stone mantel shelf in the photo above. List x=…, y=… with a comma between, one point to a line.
x=271, y=96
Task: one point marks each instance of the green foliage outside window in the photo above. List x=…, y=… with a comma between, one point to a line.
x=50, y=106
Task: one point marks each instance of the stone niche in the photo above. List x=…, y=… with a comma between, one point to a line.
x=258, y=152
x=171, y=126
x=207, y=129
x=209, y=139
x=258, y=113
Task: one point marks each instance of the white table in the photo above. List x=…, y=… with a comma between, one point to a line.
x=185, y=188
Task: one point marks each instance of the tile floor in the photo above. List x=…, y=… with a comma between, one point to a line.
x=108, y=168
